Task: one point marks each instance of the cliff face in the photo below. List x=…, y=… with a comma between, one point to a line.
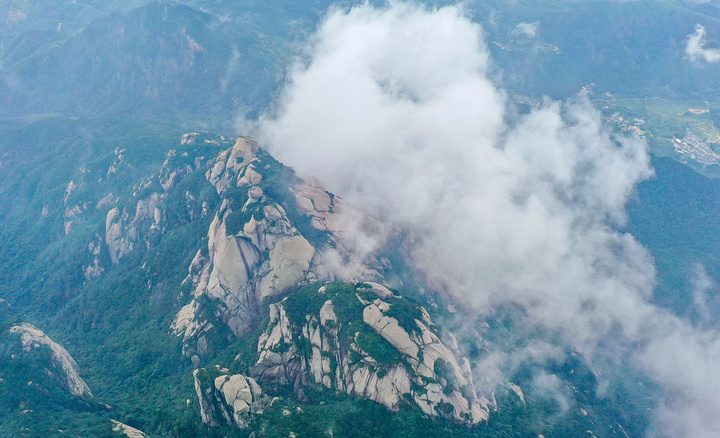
x=361, y=340
x=255, y=250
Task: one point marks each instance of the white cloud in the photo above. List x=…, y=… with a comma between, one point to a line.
x=528, y=30
x=393, y=110
x=701, y=284
x=696, y=50
x=686, y=362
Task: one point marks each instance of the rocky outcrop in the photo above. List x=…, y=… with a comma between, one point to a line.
x=273, y=232
x=119, y=240
x=318, y=204
x=119, y=165
x=254, y=250
x=143, y=215
x=236, y=165
x=32, y=338
x=373, y=354
x=227, y=399
x=94, y=269
x=75, y=205
x=123, y=229
x=128, y=431
x=81, y=194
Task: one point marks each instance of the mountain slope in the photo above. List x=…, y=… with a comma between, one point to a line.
x=202, y=299
x=157, y=58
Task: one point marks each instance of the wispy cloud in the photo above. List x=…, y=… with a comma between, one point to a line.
x=393, y=109
x=696, y=50
x=528, y=30
x=702, y=285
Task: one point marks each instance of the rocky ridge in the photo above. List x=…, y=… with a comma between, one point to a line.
x=362, y=340
x=63, y=366
x=144, y=215
x=272, y=233
x=255, y=251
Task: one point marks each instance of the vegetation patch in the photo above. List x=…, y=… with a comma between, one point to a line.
x=348, y=310
x=406, y=312
x=303, y=302
x=237, y=195
x=347, y=307
x=207, y=376
x=445, y=371
x=378, y=347
x=445, y=409
x=234, y=222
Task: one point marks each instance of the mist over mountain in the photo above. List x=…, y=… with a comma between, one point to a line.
x=485, y=219
x=522, y=212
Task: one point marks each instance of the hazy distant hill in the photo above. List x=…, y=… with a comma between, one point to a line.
x=222, y=57
x=630, y=48
x=28, y=26
x=162, y=57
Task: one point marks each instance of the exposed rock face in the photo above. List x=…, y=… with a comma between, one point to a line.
x=254, y=251
x=72, y=215
x=415, y=366
x=228, y=399
x=319, y=204
x=118, y=243
x=128, y=431
x=123, y=230
x=516, y=389
x=75, y=206
x=271, y=233
x=32, y=337
x=79, y=197
x=235, y=165
x=143, y=215
x=94, y=269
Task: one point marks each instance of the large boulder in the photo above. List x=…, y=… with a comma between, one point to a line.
x=65, y=367
x=227, y=399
